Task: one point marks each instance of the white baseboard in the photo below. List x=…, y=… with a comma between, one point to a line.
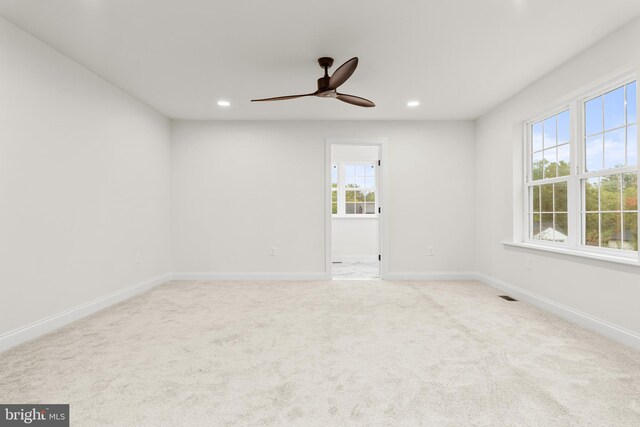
x=354, y=258
x=250, y=276
x=615, y=332
x=446, y=275
x=436, y=275
x=51, y=323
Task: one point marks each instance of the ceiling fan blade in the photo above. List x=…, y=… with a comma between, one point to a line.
x=343, y=73
x=355, y=100
x=282, y=98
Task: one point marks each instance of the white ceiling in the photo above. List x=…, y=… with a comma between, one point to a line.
x=458, y=57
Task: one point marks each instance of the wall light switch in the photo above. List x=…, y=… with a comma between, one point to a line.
x=273, y=251
x=431, y=251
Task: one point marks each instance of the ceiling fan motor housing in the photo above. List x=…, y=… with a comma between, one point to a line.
x=323, y=84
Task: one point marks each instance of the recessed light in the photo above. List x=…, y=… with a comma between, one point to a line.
x=223, y=103
x=413, y=103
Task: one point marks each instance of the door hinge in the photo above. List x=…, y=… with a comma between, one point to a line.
x=378, y=162
x=379, y=210
x=379, y=257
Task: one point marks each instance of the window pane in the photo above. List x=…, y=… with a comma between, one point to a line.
x=591, y=194
x=350, y=173
x=550, y=170
x=370, y=182
x=360, y=170
x=371, y=170
x=614, y=149
x=370, y=208
x=593, y=116
x=537, y=165
x=564, y=160
x=547, y=227
x=360, y=181
x=564, y=127
x=631, y=231
x=334, y=175
x=334, y=196
x=610, y=194
x=536, y=198
x=594, y=153
x=561, y=227
x=350, y=208
x=632, y=145
x=334, y=208
x=630, y=192
x=535, y=229
x=592, y=233
x=547, y=197
x=614, y=109
x=536, y=135
x=560, y=196
x=359, y=208
x=610, y=230
x=359, y=196
x=550, y=132
x=371, y=197
x=350, y=196
x=632, y=114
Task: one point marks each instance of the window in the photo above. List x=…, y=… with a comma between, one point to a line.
x=334, y=189
x=592, y=204
x=550, y=170
x=610, y=178
x=353, y=190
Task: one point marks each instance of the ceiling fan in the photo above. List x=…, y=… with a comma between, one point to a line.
x=327, y=86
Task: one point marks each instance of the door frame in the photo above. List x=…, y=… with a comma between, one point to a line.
x=382, y=197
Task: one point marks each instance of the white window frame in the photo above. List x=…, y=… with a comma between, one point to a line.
x=342, y=189
x=576, y=203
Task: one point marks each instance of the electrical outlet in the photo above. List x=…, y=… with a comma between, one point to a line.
x=138, y=258
x=431, y=251
x=527, y=263
x=273, y=251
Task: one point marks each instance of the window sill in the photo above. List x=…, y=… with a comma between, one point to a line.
x=354, y=216
x=577, y=253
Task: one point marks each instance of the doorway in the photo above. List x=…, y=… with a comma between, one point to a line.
x=355, y=209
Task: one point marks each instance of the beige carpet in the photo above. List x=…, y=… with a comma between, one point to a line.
x=326, y=354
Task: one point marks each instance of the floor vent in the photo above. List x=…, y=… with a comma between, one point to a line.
x=507, y=297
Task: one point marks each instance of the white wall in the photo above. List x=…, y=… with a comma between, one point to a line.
x=354, y=238
x=602, y=290
x=239, y=188
x=84, y=184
